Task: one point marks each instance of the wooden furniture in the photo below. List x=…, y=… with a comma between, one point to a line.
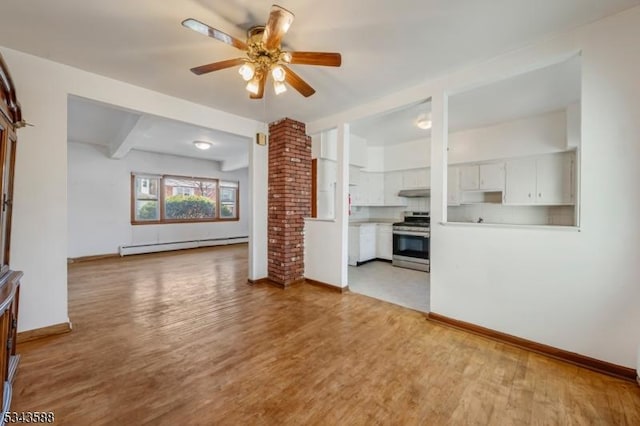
x=10, y=120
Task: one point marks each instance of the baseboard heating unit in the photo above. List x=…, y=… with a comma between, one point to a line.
x=179, y=245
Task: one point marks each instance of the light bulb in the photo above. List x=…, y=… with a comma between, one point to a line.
x=246, y=71
x=279, y=87
x=286, y=57
x=253, y=86
x=203, y=145
x=278, y=73
x=424, y=121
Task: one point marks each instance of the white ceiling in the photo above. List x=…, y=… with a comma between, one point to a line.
x=547, y=89
x=101, y=124
x=393, y=127
x=386, y=45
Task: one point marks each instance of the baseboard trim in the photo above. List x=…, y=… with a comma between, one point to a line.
x=593, y=364
x=40, y=333
x=258, y=281
x=274, y=283
x=90, y=258
x=327, y=286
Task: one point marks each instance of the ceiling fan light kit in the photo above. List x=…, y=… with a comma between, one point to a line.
x=264, y=55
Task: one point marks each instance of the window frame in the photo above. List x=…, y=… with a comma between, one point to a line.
x=161, y=200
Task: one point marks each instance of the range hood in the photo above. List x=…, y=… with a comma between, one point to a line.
x=415, y=193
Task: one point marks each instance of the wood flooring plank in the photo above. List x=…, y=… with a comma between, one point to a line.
x=181, y=338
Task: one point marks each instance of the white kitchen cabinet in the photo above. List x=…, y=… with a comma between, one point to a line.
x=329, y=144
x=483, y=177
x=354, y=175
x=469, y=178
x=492, y=176
x=520, y=187
x=554, y=179
x=375, y=189
x=453, y=186
x=415, y=178
x=367, y=242
x=362, y=243
x=327, y=173
x=326, y=184
x=370, y=190
x=384, y=241
x=354, y=245
x=392, y=185
x=543, y=180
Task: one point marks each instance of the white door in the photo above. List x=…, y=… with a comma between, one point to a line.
x=520, y=181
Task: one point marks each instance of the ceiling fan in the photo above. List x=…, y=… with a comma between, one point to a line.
x=264, y=55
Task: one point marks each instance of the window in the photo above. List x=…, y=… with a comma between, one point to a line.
x=146, y=197
x=171, y=199
x=228, y=200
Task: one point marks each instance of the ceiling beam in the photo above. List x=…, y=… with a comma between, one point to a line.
x=133, y=127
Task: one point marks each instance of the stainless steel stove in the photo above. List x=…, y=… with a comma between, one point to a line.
x=411, y=241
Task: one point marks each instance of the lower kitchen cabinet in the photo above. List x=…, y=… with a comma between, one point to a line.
x=370, y=241
x=362, y=243
x=384, y=241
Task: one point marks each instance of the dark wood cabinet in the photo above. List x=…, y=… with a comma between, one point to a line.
x=10, y=120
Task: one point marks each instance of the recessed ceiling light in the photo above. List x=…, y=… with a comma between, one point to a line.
x=203, y=145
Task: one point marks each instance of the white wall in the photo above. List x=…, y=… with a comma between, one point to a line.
x=577, y=291
x=540, y=134
x=407, y=155
x=99, y=191
x=39, y=235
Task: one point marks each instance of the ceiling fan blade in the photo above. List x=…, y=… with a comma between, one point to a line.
x=260, y=93
x=316, y=58
x=298, y=83
x=203, y=69
x=280, y=20
x=204, y=29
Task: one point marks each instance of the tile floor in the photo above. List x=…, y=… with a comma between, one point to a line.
x=380, y=280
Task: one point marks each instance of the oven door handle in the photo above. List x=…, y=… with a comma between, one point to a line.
x=413, y=234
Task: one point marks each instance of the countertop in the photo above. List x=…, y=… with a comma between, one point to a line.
x=372, y=222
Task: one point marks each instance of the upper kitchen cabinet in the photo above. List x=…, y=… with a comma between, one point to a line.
x=483, y=177
x=393, y=182
x=453, y=186
x=369, y=191
x=543, y=180
x=324, y=145
x=416, y=178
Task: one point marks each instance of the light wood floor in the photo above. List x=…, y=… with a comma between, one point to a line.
x=181, y=339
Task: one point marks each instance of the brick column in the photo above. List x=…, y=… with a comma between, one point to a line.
x=289, y=199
